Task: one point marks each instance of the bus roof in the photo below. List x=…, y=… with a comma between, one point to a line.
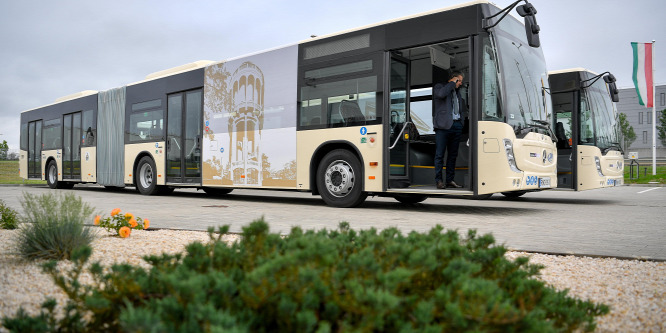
x=467, y=4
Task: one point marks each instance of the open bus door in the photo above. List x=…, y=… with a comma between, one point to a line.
x=399, y=122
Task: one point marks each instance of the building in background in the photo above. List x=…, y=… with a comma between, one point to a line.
x=640, y=118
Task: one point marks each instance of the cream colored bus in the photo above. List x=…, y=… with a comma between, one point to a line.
x=587, y=128
x=343, y=116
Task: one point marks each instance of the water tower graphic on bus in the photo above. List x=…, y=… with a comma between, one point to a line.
x=245, y=123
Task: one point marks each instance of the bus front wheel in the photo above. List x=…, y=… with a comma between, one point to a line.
x=145, y=173
x=513, y=194
x=410, y=198
x=339, y=179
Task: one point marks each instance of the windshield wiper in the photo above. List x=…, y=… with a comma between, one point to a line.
x=613, y=146
x=540, y=124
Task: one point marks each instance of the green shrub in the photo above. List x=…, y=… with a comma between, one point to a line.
x=8, y=217
x=54, y=226
x=326, y=281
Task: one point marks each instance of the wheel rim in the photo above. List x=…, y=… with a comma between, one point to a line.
x=146, y=175
x=52, y=174
x=339, y=178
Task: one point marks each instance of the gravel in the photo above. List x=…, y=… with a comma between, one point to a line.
x=635, y=290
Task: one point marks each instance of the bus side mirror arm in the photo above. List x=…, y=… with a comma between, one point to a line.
x=528, y=12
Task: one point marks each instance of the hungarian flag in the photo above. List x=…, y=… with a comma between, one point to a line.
x=643, y=72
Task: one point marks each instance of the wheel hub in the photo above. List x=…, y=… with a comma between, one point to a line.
x=339, y=178
x=146, y=176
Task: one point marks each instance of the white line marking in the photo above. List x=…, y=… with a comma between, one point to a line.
x=650, y=189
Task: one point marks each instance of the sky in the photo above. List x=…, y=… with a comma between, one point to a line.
x=50, y=49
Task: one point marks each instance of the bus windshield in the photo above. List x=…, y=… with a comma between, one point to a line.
x=522, y=78
x=599, y=125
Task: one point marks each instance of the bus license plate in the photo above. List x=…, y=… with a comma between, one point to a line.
x=544, y=182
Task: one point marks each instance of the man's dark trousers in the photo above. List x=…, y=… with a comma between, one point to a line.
x=447, y=140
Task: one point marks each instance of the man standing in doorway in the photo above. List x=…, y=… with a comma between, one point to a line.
x=448, y=121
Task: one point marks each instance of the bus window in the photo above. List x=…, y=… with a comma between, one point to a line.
x=146, y=126
x=51, y=134
x=586, y=123
x=146, y=121
x=24, y=136
x=490, y=100
x=342, y=103
x=89, y=129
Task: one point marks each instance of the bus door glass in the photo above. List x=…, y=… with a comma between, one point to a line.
x=565, y=106
x=34, y=149
x=398, y=117
x=71, y=150
x=184, y=137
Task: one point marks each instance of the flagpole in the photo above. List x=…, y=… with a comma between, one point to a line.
x=654, y=117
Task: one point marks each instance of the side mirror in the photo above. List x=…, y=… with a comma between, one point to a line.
x=612, y=88
x=531, y=27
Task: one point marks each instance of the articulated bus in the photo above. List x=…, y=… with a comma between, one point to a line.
x=587, y=127
x=343, y=116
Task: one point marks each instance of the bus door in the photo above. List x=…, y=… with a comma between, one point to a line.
x=71, y=148
x=399, y=123
x=184, y=114
x=35, y=149
x=566, y=111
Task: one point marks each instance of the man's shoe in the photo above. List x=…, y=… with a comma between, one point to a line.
x=440, y=185
x=453, y=184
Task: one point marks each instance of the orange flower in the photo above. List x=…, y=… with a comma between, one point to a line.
x=146, y=223
x=97, y=218
x=130, y=215
x=124, y=232
x=133, y=223
x=115, y=212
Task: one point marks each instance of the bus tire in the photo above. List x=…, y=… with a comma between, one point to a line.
x=340, y=180
x=146, y=182
x=215, y=191
x=513, y=194
x=410, y=199
x=52, y=177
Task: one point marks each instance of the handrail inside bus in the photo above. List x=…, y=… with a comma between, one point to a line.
x=176, y=141
x=400, y=134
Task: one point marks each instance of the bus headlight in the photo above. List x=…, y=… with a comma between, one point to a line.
x=508, y=148
x=597, y=162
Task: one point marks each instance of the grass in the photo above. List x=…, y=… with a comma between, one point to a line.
x=645, y=174
x=9, y=174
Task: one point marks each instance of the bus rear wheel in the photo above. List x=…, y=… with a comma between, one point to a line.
x=52, y=177
x=339, y=179
x=145, y=173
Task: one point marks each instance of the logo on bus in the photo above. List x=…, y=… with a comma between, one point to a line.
x=364, y=130
x=531, y=180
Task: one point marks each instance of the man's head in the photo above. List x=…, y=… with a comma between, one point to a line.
x=457, y=77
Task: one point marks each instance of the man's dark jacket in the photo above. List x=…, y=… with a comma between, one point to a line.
x=442, y=95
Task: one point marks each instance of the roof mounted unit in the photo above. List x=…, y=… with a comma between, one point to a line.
x=178, y=69
x=76, y=95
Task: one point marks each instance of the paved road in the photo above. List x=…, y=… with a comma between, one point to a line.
x=627, y=221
